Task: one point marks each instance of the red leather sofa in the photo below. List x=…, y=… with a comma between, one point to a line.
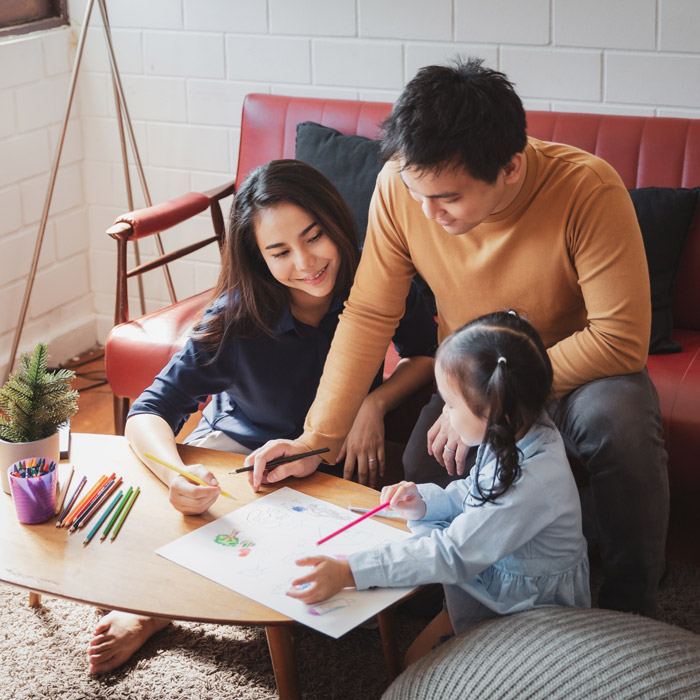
x=646, y=151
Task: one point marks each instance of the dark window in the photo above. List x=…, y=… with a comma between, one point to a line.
x=22, y=16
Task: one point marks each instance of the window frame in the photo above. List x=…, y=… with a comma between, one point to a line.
x=56, y=16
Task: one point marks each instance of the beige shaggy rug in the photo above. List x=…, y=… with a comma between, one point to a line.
x=43, y=654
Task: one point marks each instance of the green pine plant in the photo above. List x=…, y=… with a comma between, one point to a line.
x=35, y=402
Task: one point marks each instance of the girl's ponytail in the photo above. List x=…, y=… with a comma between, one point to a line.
x=500, y=434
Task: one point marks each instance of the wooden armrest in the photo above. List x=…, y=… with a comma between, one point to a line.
x=159, y=217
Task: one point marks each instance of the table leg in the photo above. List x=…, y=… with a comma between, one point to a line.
x=387, y=631
x=280, y=641
x=34, y=599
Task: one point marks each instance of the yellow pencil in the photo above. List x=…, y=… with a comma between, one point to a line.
x=187, y=475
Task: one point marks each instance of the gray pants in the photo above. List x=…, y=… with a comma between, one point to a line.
x=613, y=426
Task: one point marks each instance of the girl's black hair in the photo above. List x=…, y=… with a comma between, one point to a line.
x=501, y=367
x=254, y=298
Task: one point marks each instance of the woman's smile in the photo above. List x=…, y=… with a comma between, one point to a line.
x=316, y=277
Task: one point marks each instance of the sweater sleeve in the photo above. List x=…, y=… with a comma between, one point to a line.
x=365, y=329
x=607, y=251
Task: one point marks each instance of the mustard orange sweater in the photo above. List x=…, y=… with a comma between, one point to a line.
x=567, y=253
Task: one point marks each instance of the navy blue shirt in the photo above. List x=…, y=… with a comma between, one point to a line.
x=262, y=388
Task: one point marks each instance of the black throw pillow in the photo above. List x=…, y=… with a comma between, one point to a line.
x=350, y=162
x=665, y=215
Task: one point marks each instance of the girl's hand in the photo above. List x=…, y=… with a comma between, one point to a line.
x=405, y=500
x=193, y=499
x=364, y=444
x=446, y=446
x=327, y=578
x=272, y=450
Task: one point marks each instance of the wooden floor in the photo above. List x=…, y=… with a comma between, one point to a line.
x=95, y=416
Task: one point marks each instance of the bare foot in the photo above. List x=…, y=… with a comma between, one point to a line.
x=118, y=636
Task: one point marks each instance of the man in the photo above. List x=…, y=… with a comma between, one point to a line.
x=493, y=220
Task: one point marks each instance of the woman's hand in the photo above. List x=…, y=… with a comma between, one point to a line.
x=364, y=444
x=272, y=450
x=193, y=499
x=405, y=500
x=327, y=578
x=446, y=446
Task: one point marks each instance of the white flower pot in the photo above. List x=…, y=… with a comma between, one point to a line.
x=11, y=452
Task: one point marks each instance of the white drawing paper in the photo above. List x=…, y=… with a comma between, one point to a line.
x=252, y=551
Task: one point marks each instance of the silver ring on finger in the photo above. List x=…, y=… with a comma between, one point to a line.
x=371, y=459
x=447, y=449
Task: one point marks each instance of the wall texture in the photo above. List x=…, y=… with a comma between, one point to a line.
x=187, y=64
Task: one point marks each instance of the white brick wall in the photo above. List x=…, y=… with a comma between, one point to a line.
x=186, y=66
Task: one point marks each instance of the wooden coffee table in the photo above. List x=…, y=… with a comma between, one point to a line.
x=126, y=574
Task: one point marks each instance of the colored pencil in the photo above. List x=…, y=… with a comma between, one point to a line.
x=113, y=519
x=355, y=509
x=61, y=497
x=125, y=512
x=71, y=514
x=71, y=500
x=283, y=460
x=106, y=491
x=187, y=475
x=103, y=517
x=368, y=514
x=85, y=503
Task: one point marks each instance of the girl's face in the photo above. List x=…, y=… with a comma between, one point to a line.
x=470, y=427
x=297, y=251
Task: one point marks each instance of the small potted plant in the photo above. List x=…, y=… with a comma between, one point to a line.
x=34, y=403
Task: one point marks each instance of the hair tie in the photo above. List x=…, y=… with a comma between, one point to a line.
x=502, y=360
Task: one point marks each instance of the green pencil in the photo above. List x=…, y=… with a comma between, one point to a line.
x=125, y=512
x=103, y=517
x=116, y=515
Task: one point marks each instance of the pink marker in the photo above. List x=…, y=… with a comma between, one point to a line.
x=369, y=514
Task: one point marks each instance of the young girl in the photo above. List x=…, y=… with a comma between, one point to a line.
x=508, y=537
x=259, y=351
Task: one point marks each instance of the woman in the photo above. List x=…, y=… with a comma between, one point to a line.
x=259, y=352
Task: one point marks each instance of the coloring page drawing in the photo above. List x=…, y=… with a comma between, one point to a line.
x=253, y=549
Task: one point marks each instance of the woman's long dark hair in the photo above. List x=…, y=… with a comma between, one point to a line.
x=254, y=297
x=501, y=367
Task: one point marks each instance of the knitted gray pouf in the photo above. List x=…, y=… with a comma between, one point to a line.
x=558, y=654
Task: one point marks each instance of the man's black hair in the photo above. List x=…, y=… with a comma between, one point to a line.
x=458, y=115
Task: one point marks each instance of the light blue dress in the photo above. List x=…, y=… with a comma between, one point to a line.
x=525, y=550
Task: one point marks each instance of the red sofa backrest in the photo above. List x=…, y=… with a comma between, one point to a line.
x=646, y=151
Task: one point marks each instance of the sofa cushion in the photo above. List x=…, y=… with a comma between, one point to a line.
x=665, y=215
x=350, y=162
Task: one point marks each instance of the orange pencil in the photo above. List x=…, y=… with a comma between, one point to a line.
x=68, y=521
x=89, y=500
x=103, y=494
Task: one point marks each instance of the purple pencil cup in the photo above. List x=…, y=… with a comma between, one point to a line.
x=34, y=496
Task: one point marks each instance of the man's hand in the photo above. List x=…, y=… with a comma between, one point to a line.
x=272, y=450
x=193, y=499
x=446, y=446
x=364, y=444
x=327, y=578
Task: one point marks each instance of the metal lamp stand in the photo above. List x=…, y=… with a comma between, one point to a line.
x=122, y=119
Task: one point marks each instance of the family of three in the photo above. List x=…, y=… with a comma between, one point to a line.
x=535, y=258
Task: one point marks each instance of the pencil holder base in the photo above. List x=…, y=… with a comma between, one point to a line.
x=34, y=497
